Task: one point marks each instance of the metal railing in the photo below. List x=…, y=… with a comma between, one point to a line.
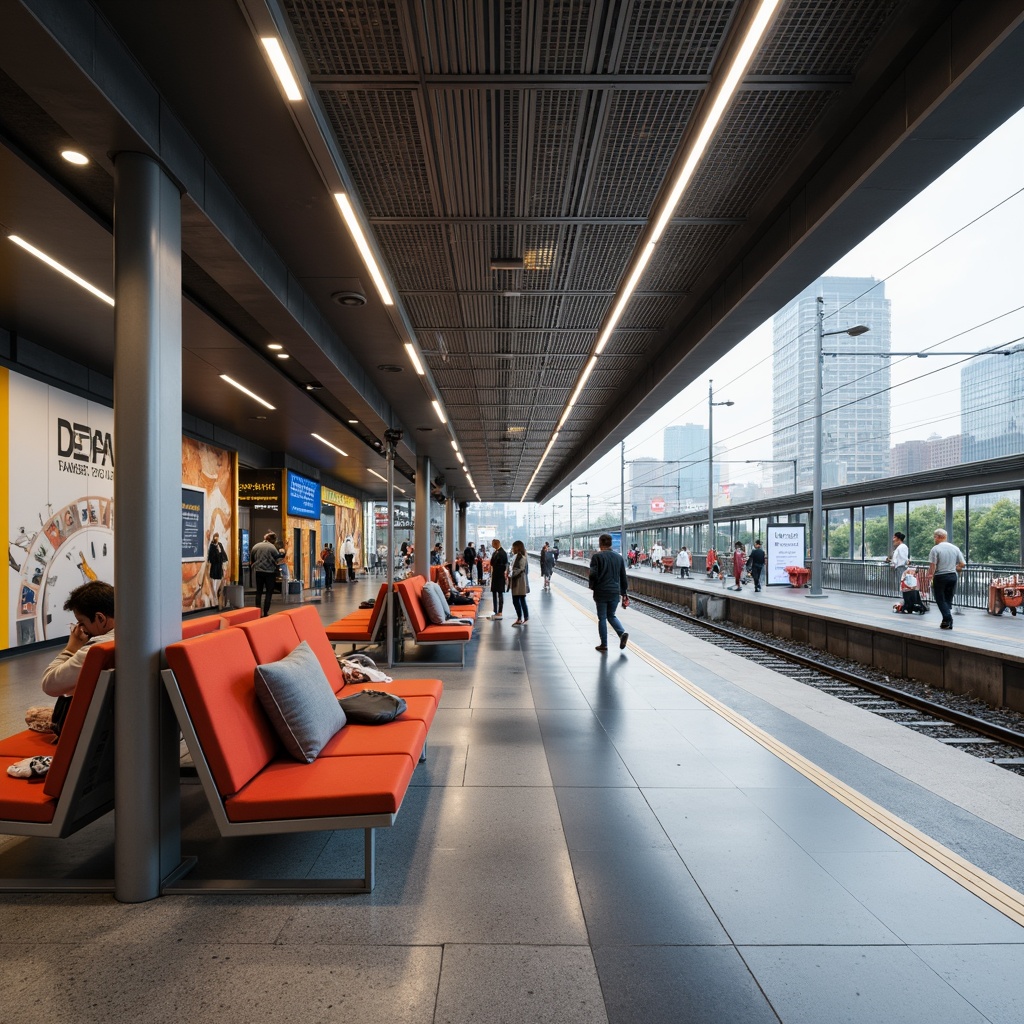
x=879, y=579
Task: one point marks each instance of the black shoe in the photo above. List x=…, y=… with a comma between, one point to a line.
x=601, y=647
x=945, y=625
x=622, y=641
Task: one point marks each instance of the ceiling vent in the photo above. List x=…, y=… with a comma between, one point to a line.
x=350, y=299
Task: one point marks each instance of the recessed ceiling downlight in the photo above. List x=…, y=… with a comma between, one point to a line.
x=73, y=156
x=350, y=299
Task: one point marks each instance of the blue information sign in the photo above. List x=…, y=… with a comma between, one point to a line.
x=303, y=496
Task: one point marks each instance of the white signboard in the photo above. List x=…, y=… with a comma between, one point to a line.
x=784, y=546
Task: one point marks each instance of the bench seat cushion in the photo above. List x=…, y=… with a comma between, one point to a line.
x=215, y=674
x=23, y=799
x=28, y=743
x=329, y=787
x=402, y=736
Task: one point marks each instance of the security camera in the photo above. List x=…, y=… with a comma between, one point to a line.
x=393, y=436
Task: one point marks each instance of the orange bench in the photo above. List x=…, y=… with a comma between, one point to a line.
x=358, y=780
x=427, y=634
x=361, y=627
x=79, y=787
x=200, y=624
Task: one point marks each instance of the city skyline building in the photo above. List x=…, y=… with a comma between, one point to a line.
x=855, y=381
x=992, y=406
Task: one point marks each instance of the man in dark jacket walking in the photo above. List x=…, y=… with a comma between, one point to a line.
x=609, y=583
x=756, y=564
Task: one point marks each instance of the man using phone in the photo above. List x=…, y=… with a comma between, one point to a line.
x=92, y=605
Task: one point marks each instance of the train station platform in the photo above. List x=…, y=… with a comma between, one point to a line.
x=662, y=834
x=982, y=655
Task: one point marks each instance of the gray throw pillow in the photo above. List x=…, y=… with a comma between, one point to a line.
x=299, y=702
x=435, y=607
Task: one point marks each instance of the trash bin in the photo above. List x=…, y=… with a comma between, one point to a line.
x=234, y=595
x=293, y=592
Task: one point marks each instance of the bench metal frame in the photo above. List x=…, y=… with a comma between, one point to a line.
x=87, y=794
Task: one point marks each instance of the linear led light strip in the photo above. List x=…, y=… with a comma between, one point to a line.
x=385, y=479
x=356, y=230
x=723, y=96
x=60, y=268
x=245, y=390
x=324, y=440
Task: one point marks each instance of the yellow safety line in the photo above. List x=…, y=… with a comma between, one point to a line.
x=995, y=893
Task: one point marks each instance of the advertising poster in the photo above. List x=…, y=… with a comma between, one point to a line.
x=784, y=545
x=207, y=481
x=193, y=519
x=60, y=503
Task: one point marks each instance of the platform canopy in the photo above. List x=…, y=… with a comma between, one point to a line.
x=509, y=161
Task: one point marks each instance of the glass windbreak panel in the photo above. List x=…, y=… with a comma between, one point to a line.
x=877, y=539
x=838, y=538
x=993, y=528
x=925, y=518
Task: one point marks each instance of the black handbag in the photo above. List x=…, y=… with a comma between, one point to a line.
x=372, y=707
x=60, y=712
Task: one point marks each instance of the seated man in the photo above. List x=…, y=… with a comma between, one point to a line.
x=93, y=607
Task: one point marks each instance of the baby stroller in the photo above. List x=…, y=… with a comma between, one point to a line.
x=910, y=588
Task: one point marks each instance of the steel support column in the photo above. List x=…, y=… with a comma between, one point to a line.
x=147, y=495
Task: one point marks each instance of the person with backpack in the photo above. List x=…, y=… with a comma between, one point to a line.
x=329, y=563
x=348, y=551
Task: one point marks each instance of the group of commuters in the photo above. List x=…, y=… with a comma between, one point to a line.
x=945, y=562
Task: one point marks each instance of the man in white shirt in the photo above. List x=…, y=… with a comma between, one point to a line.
x=656, y=555
x=92, y=604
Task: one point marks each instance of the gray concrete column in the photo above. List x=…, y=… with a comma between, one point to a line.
x=421, y=532
x=147, y=496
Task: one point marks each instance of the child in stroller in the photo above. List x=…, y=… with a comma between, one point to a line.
x=910, y=589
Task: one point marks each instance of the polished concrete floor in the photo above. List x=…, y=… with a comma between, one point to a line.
x=646, y=836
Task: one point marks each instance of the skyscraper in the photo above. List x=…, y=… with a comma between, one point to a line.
x=855, y=383
x=992, y=406
x=686, y=462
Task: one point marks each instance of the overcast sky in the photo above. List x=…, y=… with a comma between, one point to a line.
x=939, y=299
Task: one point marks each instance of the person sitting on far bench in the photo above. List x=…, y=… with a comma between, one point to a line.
x=92, y=604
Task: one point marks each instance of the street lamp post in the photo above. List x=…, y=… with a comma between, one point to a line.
x=817, y=526
x=711, y=465
x=572, y=539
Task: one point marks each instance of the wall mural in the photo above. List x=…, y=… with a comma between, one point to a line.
x=59, y=512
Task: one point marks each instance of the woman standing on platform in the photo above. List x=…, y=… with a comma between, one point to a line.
x=216, y=556
x=547, y=565
x=499, y=568
x=739, y=560
x=519, y=582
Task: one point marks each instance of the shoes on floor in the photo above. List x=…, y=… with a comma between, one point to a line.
x=622, y=641
x=945, y=625
x=601, y=647
x=494, y=616
x=518, y=622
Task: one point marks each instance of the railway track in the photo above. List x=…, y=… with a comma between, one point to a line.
x=981, y=737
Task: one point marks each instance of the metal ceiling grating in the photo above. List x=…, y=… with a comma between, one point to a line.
x=812, y=37
x=378, y=131
x=670, y=37
x=342, y=37
x=641, y=134
x=751, y=148
x=552, y=149
x=601, y=255
x=527, y=129
x=683, y=254
x=417, y=256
